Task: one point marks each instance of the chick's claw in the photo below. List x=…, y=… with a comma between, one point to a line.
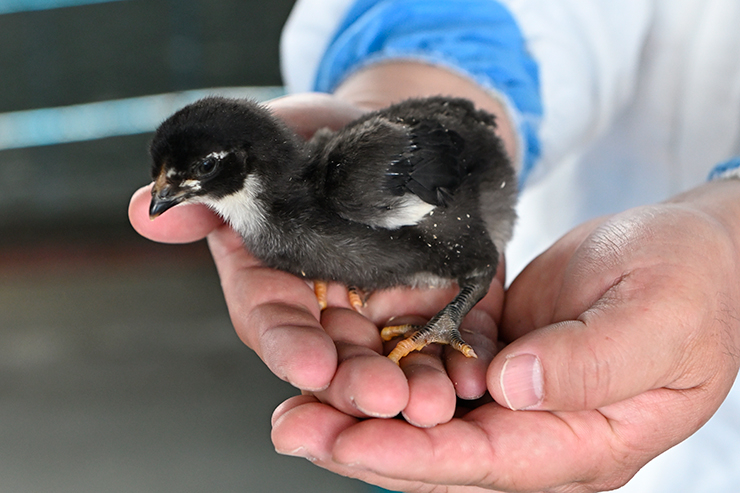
x=320, y=290
x=356, y=298
x=391, y=331
x=418, y=337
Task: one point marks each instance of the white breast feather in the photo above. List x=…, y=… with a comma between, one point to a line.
x=408, y=212
x=243, y=210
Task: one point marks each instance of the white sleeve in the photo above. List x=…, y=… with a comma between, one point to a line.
x=304, y=40
x=588, y=54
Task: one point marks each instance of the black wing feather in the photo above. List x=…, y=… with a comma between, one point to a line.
x=413, y=147
x=436, y=167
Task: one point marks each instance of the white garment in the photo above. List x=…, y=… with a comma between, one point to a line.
x=643, y=115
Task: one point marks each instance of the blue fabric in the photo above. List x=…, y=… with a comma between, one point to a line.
x=478, y=38
x=721, y=169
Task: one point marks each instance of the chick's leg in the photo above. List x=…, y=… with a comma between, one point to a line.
x=444, y=327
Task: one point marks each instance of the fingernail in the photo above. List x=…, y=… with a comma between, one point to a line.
x=371, y=414
x=296, y=452
x=521, y=381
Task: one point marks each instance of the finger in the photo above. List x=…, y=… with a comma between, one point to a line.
x=337, y=295
x=468, y=375
x=495, y=448
x=612, y=351
x=304, y=427
x=182, y=224
x=492, y=448
x=432, y=397
x=532, y=297
x=366, y=383
x=305, y=113
x=453, y=453
x=275, y=314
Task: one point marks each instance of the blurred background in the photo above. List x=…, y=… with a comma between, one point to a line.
x=119, y=369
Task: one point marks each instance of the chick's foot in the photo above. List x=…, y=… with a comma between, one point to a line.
x=440, y=329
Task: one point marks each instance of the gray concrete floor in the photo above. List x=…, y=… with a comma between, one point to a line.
x=120, y=372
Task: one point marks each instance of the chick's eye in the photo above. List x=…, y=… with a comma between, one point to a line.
x=207, y=166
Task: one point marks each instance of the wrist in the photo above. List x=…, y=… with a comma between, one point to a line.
x=719, y=199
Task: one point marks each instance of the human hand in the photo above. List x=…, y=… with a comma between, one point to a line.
x=633, y=324
x=337, y=354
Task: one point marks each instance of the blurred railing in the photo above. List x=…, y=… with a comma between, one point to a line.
x=81, y=122
x=12, y=6
x=83, y=83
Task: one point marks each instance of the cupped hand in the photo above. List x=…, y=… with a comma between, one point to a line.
x=337, y=354
x=625, y=339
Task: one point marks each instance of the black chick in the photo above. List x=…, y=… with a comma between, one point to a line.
x=418, y=194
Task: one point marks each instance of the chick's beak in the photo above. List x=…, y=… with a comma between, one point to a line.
x=163, y=198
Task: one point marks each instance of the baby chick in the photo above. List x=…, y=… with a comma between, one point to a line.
x=418, y=194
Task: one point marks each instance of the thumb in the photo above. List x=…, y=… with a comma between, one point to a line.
x=623, y=345
x=185, y=223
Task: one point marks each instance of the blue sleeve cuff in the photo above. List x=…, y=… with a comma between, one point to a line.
x=728, y=169
x=478, y=38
